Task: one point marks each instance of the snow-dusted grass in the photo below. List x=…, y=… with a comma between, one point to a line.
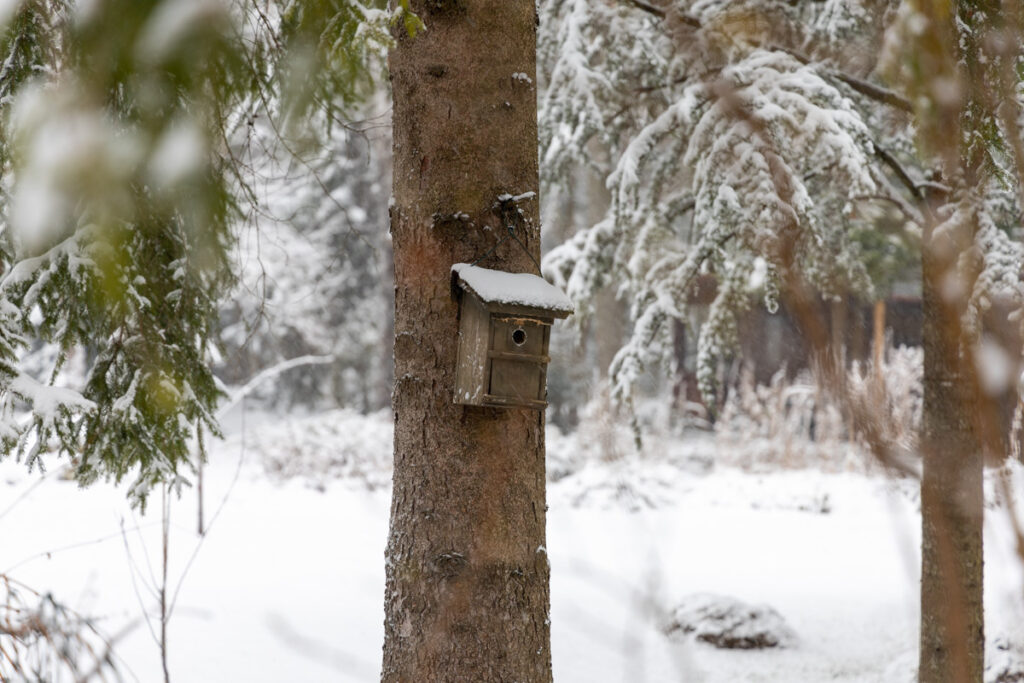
x=288, y=583
x=794, y=423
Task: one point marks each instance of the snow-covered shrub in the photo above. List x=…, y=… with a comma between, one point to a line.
x=796, y=423
x=602, y=434
x=897, y=408
x=333, y=445
x=729, y=624
x=785, y=423
x=604, y=466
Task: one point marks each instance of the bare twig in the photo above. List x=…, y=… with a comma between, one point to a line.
x=64, y=548
x=889, y=160
x=42, y=639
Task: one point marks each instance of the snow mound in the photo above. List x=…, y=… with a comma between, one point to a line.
x=902, y=668
x=1005, y=661
x=729, y=624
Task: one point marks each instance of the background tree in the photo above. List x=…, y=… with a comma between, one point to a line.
x=467, y=568
x=314, y=276
x=960, y=68
x=130, y=159
x=124, y=178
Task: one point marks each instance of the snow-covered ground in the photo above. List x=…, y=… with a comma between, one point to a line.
x=287, y=585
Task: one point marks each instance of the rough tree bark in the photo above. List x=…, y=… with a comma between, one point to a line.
x=952, y=648
x=467, y=592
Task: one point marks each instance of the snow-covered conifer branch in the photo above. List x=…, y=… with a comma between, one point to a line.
x=120, y=195
x=764, y=145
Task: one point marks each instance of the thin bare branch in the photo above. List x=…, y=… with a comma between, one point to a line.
x=889, y=160
x=650, y=9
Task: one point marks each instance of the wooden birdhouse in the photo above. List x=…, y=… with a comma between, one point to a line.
x=504, y=331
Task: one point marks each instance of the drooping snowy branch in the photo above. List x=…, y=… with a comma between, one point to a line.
x=751, y=154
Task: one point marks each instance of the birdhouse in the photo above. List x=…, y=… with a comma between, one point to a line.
x=504, y=331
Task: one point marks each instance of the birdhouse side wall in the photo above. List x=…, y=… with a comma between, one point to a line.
x=473, y=362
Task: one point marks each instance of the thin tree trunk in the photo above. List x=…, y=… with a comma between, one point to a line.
x=878, y=338
x=467, y=570
x=952, y=510
x=878, y=352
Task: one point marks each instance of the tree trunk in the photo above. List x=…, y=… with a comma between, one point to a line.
x=952, y=510
x=467, y=593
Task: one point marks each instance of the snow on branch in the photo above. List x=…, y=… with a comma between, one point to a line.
x=762, y=158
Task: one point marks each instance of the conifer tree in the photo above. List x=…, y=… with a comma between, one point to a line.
x=122, y=184
x=467, y=592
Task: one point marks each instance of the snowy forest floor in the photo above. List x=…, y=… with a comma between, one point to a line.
x=287, y=585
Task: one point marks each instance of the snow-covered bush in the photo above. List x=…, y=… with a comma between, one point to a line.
x=796, y=423
x=601, y=463
x=786, y=423
x=729, y=624
x=333, y=445
x=897, y=404
x=1004, y=661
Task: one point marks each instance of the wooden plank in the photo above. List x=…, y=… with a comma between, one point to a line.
x=473, y=370
x=515, y=380
x=506, y=402
x=524, y=357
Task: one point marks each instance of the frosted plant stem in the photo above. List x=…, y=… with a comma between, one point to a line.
x=165, y=538
x=199, y=495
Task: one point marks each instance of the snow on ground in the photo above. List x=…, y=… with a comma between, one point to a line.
x=288, y=583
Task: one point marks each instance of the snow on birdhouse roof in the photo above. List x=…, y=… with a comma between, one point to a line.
x=517, y=289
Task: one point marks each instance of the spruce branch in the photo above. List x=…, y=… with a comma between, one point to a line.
x=866, y=88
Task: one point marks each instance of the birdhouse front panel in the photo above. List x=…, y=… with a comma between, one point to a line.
x=504, y=332
x=520, y=336
x=516, y=384
x=518, y=356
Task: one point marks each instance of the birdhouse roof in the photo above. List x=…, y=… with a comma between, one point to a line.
x=495, y=287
